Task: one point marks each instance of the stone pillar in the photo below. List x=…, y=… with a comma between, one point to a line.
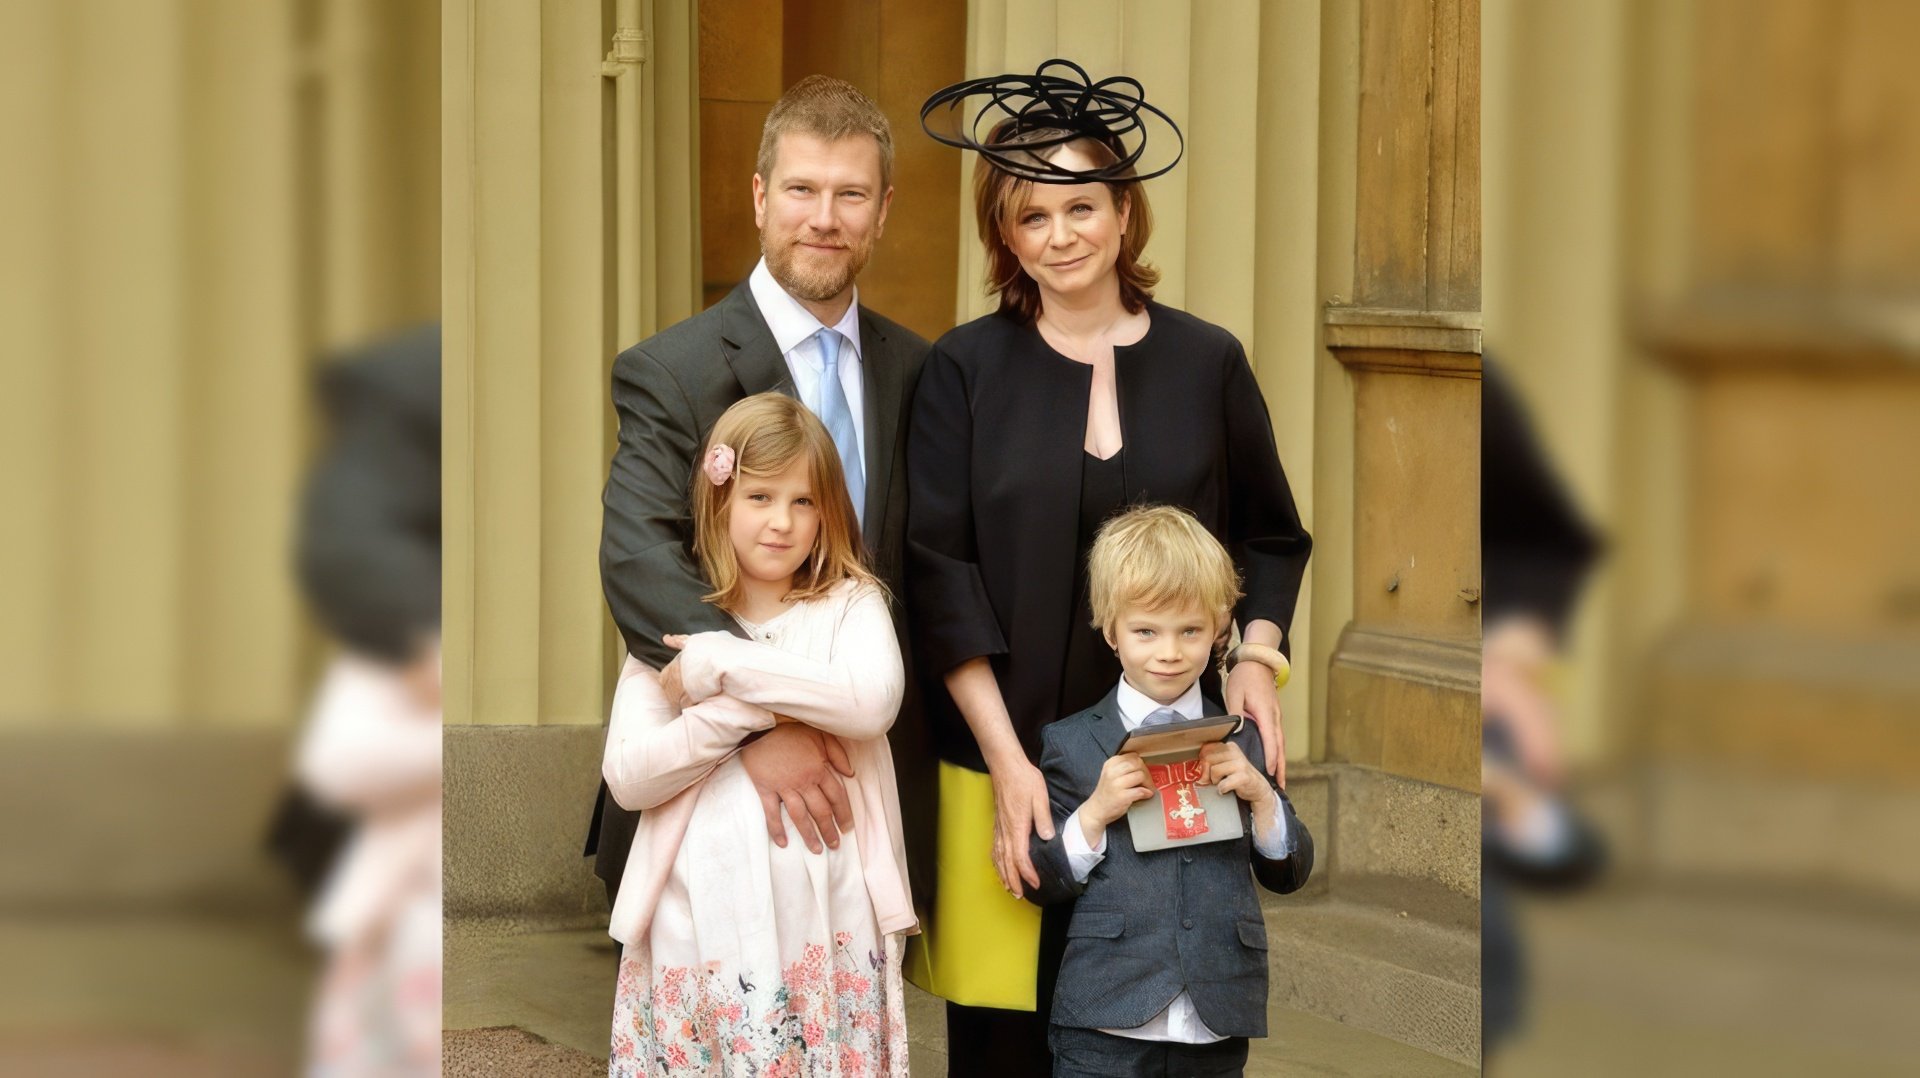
x=1781, y=698
x=172, y=247
x=569, y=235
x=1403, y=693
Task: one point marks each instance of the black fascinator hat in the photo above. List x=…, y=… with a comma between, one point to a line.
x=1058, y=96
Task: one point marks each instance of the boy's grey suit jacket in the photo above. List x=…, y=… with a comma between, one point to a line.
x=1147, y=925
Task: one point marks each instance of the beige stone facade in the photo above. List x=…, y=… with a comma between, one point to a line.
x=1256, y=230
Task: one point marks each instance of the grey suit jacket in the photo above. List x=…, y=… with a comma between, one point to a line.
x=1147, y=925
x=668, y=391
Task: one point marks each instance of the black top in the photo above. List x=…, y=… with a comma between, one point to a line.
x=369, y=537
x=1091, y=668
x=1537, y=547
x=994, y=541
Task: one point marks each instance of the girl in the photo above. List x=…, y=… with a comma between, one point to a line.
x=743, y=957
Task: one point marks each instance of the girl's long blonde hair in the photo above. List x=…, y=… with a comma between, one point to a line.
x=767, y=432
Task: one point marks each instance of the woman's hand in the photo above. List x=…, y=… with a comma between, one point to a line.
x=1250, y=692
x=1020, y=808
x=1514, y=656
x=1020, y=805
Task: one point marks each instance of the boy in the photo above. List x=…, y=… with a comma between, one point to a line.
x=1165, y=970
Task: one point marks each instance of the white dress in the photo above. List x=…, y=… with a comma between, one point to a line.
x=373, y=751
x=759, y=961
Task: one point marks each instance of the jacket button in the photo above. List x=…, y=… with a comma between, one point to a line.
x=1188, y=923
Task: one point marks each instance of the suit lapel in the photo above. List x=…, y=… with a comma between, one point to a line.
x=1109, y=729
x=880, y=383
x=749, y=347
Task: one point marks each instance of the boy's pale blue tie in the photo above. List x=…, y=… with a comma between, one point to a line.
x=838, y=419
x=1160, y=716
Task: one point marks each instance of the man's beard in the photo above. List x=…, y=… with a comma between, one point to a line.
x=813, y=283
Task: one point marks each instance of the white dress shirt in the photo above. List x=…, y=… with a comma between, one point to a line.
x=1179, y=1022
x=793, y=329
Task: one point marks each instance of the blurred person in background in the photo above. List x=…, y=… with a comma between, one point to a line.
x=1537, y=551
x=369, y=563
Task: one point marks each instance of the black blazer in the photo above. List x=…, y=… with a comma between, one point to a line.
x=994, y=455
x=668, y=391
x=1148, y=926
x=368, y=547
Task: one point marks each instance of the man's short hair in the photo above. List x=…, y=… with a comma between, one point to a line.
x=1158, y=556
x=829, y=109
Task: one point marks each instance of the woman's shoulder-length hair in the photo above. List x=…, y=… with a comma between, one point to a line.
x=998, y=195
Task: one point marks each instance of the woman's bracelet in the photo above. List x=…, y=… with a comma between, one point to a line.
x=1268, y=657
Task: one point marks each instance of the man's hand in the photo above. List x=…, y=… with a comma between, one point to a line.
x=1123, y=781
x=421, y=675
x=1249, y=691
x=1225, y=767
x=670, y=682
x=670, y=685
x=794, y=765
x=1020, y=809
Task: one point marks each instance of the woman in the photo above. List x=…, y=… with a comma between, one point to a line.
x=1030, y=426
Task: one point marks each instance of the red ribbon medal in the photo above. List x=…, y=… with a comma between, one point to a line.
x=1179, y=801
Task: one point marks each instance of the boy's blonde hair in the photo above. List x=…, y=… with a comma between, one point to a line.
x=767, y=432
x=1158, y=556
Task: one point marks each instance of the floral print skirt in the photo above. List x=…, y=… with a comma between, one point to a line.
x=760, y=962
x=378, y=1008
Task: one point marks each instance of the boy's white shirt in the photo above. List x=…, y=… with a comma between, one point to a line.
x=1179, y=1022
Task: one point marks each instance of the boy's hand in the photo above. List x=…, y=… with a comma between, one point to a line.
x=1123, y=780
x=1228, y=769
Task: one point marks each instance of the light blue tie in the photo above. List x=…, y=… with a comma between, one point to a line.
x=1161, y=716
x=838, y=419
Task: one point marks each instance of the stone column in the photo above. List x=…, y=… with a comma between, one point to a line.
x=568, y=235
x=1403, y=693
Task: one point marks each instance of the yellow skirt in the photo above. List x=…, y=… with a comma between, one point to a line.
x=981, y=946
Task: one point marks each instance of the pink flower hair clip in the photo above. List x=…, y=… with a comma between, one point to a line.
x=719, y=465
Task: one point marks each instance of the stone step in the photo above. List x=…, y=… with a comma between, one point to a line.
x=1659, y=979
x=558, y=986
x=1380, y=969
x=1385, y=938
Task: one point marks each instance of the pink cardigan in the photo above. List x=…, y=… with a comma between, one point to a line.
x=832, y=663
x=371, y=750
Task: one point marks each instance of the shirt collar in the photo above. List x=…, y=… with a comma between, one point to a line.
x=1135, y=705
x=791, y=323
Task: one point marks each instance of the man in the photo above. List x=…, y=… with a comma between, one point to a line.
x=821, y=189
